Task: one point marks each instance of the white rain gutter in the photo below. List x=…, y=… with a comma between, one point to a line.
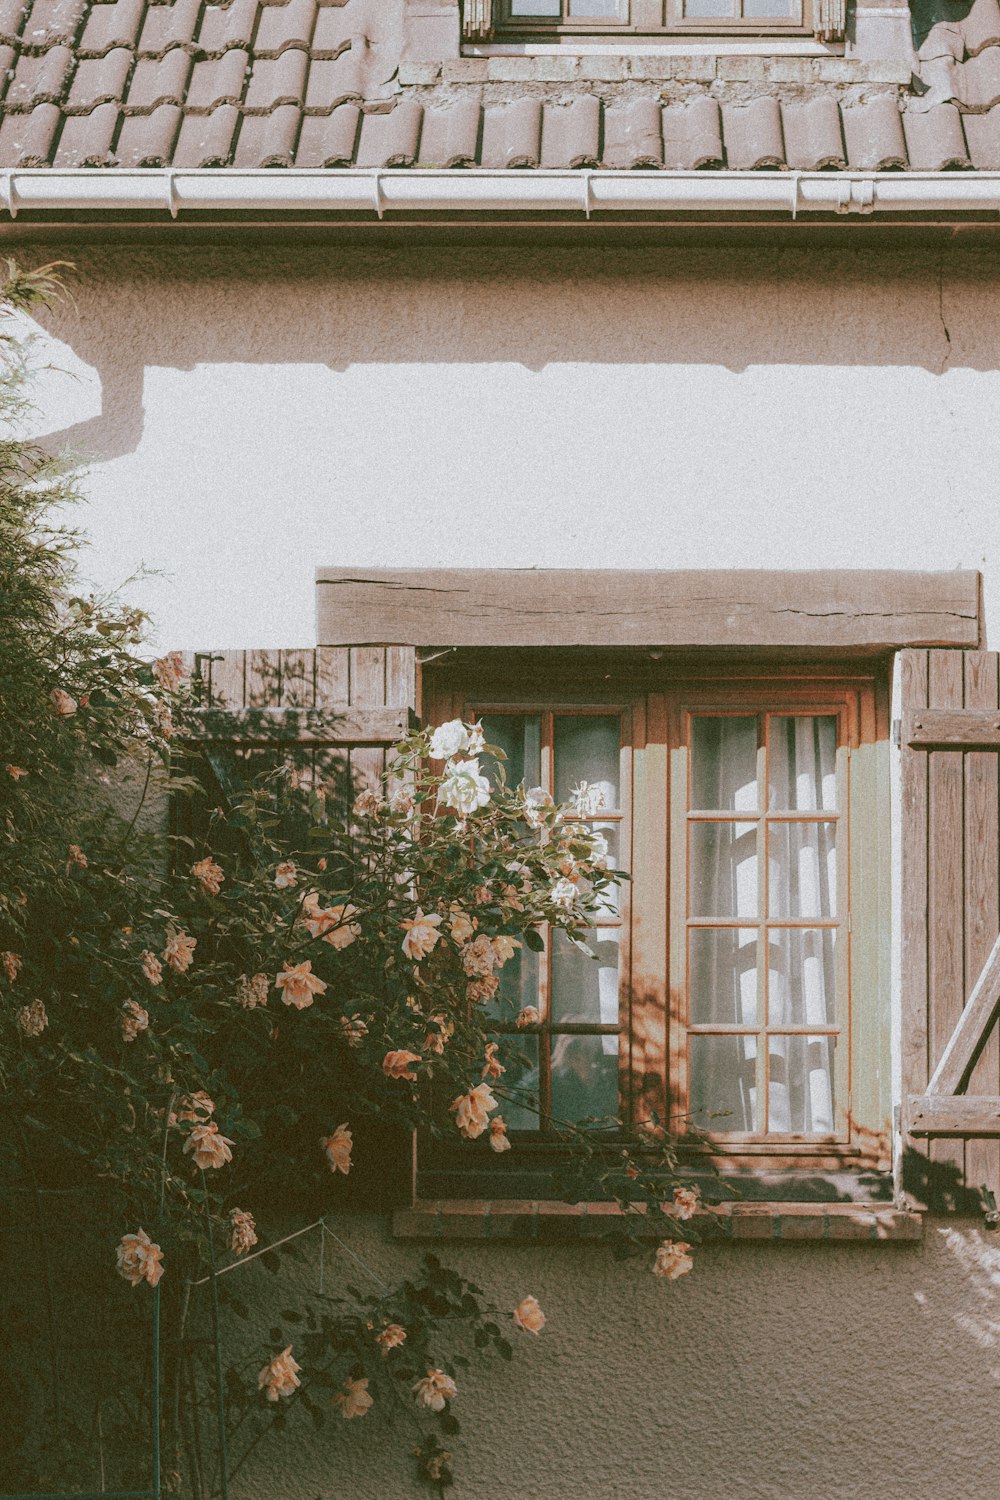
x=462, y=194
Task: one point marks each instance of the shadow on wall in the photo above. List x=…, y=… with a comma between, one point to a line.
x=928, y=307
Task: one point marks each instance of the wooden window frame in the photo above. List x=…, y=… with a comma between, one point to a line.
x=645, y=18
x=657, y=694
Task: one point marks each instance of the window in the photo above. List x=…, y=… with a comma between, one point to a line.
x=740, y=987
x=540, y=18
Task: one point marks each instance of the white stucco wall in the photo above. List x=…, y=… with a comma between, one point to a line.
x=251, y=414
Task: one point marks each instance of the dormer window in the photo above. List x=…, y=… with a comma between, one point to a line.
x=549, y=20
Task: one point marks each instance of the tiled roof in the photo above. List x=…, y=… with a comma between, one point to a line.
x=154, y=83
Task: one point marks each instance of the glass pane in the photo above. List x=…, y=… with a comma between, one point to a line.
x=710, y=8
x=519, y=1055
x=724, y=764
x=535, y=8
x=614, y=10
x=723, y=869
x=800, y=1085
x=802, y=976
x=772, y=10
x=519, y=736
x=585, y=990
x=584, y=1077
x=611, y=898
x=803, y=763
x=724, y=975
x=723, y=1083
x=802, y=877
x=518, y=986
x=587, y=748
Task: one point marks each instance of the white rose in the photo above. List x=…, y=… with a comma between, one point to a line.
x=448, y=739
x=463, y=788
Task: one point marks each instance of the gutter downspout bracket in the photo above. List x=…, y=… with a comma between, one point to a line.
x=9, y=194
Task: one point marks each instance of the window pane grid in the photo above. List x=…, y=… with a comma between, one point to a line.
x=769, y=1071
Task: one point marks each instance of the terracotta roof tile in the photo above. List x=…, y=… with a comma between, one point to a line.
x=224, y=26
x=218, y=80
x=336, y=27
x=333, y=81
x=26, y=140
x=981, y=27
x=7, y=56
x=111, y=26
x=52, y=22
x=814, y=139
x=633, y=134
x=99, y=79
x=449, y=136
x=571, y=133
x=512, y=134
x=269, y=140
x=287, y=25
x=207, y=140
x=167, y=26
x=873, y=133
x=329, y=140
x=978, y=81
x=752, y=134
x=391, y=139
x=148, y=140
x=274, y=81
x=692, y=135
x=39, y=78
x=935, y=141
x=159, y=81
x=12, y=17
x=86, y=139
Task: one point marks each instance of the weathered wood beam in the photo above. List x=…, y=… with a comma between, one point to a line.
x=969, y=1037
x=303, y=726
x=951, y=1115
x=952, y=729
x=853, y=609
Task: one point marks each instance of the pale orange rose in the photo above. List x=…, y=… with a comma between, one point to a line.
x=529, y=1316
x=209, y=875
x=462, y=926
x=138, y=1259
x=494, y=1068
x=479, y=957
x=672, y=1260
x=504, y=949
x=134, y=1020
x=529, y=1016
x=686, y=1201
x=399, y=1065
x=472, y=1111
x=338, y=1149
x=392, y=1335
x=151, y=967
x=33, y=1018
x=244, y=1231
x=179, y=952
x=353, y=1400
x=75, y=856
x=481, y=991
x=421, y=935
x=285, y=876
x=12, y=965
x=434, y=1389
x=299, y=985
x=280, y=1377
x=252, y=992
x=208, y=1146
x=334, y=924
x=499, y=1140
x=63, y=704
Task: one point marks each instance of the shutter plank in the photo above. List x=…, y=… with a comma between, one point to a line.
x=914, y=790
x=331, y=767
x=368, y=688
x=946, y=890
x=298, y=688
x=982, y=892
x=227, y=687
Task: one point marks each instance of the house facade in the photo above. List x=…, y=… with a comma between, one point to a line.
x=624, y=372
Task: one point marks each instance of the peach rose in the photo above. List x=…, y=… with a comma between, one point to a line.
x=244, y=1231
x=499, y=1140
x=12, y=965
x=138, y=1259
x=399, y=1065
x=63, y=704
x=353, y=1400
x=134, y=1020
x=209, y=876
x=252, y=992
x=209, y=1147
x=479, y=957
x=686, y=1202
x=472, y=1111
x=528, y=1016
x=334, y=924
x=368, y=804
x=421, y=935
x=529, y=1316
x=392, y=1335
x=504, y=949
x=280, y=1377
x=434, y=1389
x=338, y=1149
x=494, y=1068
x=480, y=991
x=75, y=856
x=286, y=876
x=33, y=1018
x=462, y=926
x=179, y=952
x=299, y=985
x=672, y=1260
x=151, y=967
x=170, y=671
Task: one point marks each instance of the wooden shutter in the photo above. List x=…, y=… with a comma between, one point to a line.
x=950, y=747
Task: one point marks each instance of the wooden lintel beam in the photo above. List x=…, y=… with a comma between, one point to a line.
x=952, y=729
x=303, y=726
x=954, y=1115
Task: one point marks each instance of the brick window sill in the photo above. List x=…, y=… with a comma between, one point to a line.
x=540, y=1222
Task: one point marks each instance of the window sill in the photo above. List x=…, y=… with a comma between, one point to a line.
x=542, y=1222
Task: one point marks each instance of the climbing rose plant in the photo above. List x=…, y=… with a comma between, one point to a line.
x=194, y=1022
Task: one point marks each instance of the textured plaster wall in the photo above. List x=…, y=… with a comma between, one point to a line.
x=251, y=414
